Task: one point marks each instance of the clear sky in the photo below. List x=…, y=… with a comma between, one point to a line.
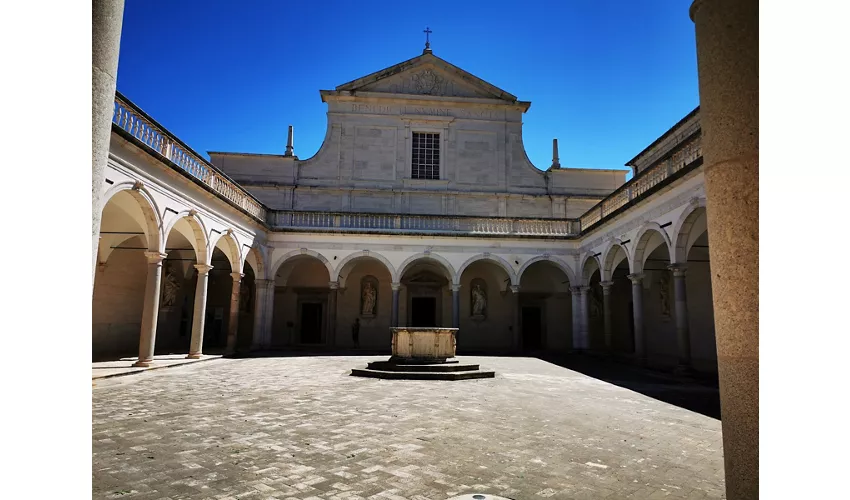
x=604, y=77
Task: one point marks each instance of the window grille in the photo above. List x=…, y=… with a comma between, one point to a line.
x=426, y=156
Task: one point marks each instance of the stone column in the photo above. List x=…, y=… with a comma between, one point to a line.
x=516, y=317
x=107, y=18
x=150, y=309
x=576, y=315
x=332, y=297
x=260, y=311
x=455, y=306
x=233, y=320
x=584, y=295
x=606, y=312
x=268, y=320
x=637, y=310
x=196, y=344
x=394, y=321
x=727, y=60
x=681, y=307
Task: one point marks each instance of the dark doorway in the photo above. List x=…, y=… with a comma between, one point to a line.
x=532, y=333
x=311, y=323
x=424, y=311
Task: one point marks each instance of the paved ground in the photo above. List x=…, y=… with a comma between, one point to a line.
x=124, y=366
x=301, y=428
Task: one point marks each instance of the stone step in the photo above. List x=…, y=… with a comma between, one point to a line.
x=389, y=366
x=411, y=375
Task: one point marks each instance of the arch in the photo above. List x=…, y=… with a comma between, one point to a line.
x=492, y=258
x=609, y=258
x=231, y=249
x=589, y=265
x=642, y=239
x=554, y=260
x=150, y=210
x=351, y=260
x=200, y=242
x=255, y=258
x=296, y=254
x=683, y=227
x=413, y=259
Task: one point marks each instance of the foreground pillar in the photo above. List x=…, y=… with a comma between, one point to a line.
x=196, y=344
x=107, y=17
x=575, y=296
x=516, y=317
x=260, y=311
x=727, y=60
x=233, y=320
x=682, y=323
x=455, y=306
x=606, y=312
x=150, y=309
x=396, y=287
x=637, y=311
x=332, y=298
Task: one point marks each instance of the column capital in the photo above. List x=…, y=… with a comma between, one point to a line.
x=396, y=286
x=455, y=288
x=263, y=282
x=636, y=278
x=203, y=268
x=333, y=285
x=606, y=285
x=679, y=270
x=237, y=277
x=155, y=257
x=514, y=288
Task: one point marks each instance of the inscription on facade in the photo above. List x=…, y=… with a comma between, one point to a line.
x=374, y=109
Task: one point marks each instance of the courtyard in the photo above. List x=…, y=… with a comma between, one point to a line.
x=299, y=427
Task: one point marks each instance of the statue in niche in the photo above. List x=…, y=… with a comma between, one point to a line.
x=664, y=294
x=479, y=300
x=370, y=299
x=170, y=286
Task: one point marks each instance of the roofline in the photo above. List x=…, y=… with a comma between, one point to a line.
x=665, y=135
x=404, y=65
x=246, y=154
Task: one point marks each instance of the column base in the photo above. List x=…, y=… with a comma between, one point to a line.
x=194, y=355
x=143, y=363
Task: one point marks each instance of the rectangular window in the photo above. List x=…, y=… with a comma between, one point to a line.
x=426, y=156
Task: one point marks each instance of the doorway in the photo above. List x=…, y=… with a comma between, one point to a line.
x=532, y=331
x=424, y=312
x=311, y=323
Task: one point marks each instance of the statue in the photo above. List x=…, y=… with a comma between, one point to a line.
x=479, y=301
x=170, y=286
x=369, y=296
x=664, y=293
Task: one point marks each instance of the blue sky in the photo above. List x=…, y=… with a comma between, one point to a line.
x=604, y=77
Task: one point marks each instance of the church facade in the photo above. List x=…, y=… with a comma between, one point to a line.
x=421, y=208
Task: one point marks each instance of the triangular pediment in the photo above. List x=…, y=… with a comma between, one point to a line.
x=427, y=75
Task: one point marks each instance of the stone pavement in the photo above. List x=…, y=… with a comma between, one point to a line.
x=302, y=428
x=124, y=366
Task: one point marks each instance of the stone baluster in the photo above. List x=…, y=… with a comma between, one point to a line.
x=637, y=311
x=150, y=309
x=196, y=344
x=233, y=321
x=606, y=312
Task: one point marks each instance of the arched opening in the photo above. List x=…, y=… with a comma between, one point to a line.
x=425, y=298
x=616, y=266
x=365, y=298
x=694, y=245
x=224, y=262
x=592, y=275
x=486, y=311
x=301, y=303
x=128, y=229
x=178, y=283
x=653, y=256
x=545, y=312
